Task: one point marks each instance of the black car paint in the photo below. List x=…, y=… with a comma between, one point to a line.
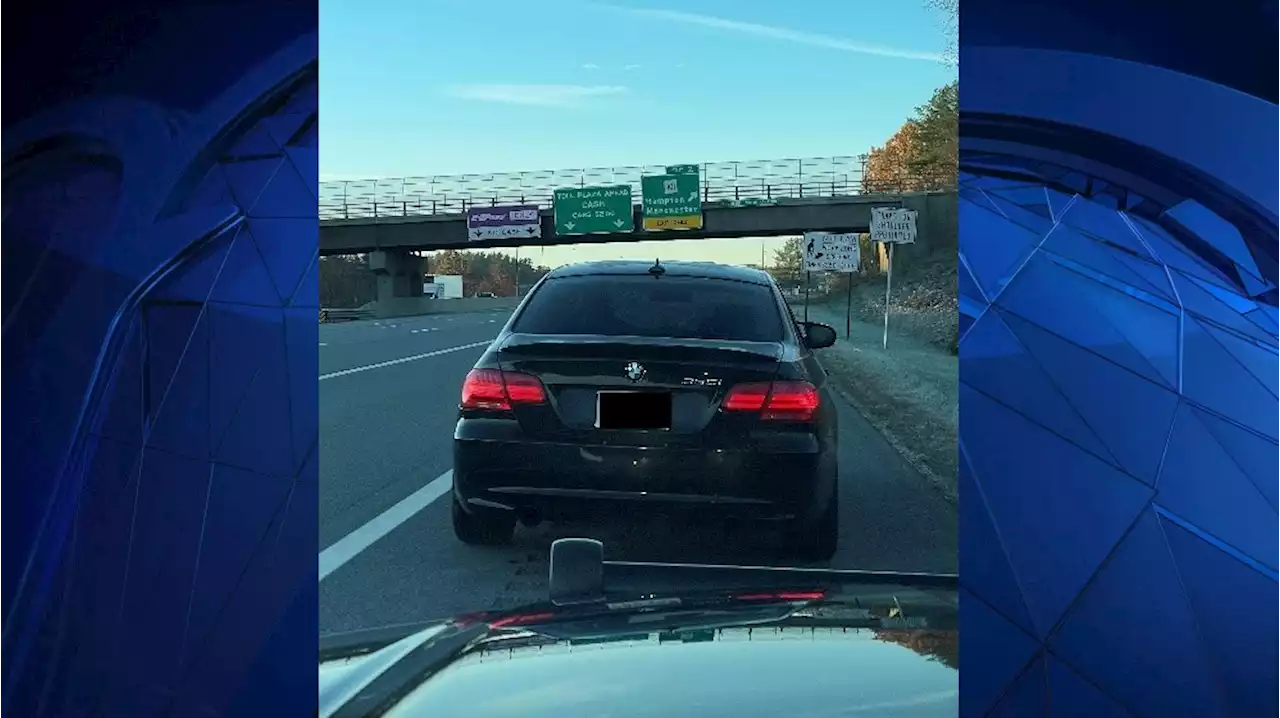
x=552, y=463
x=835, y=656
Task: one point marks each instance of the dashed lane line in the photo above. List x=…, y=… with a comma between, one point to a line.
x=402, y=360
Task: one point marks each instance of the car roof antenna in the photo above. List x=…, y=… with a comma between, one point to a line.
x=657, y=269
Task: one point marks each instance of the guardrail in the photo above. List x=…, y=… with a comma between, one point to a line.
x=760, y=181
x=329, y=316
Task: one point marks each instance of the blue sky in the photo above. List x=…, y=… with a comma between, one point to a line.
x=439, y=87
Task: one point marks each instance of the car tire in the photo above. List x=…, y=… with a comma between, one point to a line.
x=482, y=530
x=817, y=540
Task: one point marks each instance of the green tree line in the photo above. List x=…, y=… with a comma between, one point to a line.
x=346, y=282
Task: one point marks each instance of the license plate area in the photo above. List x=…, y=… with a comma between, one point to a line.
x=633, y=410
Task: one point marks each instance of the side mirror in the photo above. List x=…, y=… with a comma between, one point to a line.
x=818, y=336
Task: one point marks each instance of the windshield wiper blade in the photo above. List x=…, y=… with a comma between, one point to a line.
x=669, y=620
x=392, y=685
x=337, y=646
x=579, y=574
x=628, y=573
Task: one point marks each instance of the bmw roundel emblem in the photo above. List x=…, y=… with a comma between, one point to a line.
x=633, y=371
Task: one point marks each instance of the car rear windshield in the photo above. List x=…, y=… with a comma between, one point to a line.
x=630, y=305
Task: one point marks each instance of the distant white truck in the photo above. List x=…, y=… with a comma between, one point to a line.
x=443, y=286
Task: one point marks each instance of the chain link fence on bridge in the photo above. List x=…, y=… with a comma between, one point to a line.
x=747, y=183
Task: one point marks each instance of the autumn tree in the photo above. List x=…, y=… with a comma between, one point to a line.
x=923, y=153
x=497, y=281
x=887, y=169
x=449, y=261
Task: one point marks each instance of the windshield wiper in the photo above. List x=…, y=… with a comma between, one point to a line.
x=392, y=685
x=596, y=624
x=580, y=575
x=339, y=646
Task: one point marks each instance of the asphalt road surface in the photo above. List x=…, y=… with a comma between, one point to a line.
x=388, y=401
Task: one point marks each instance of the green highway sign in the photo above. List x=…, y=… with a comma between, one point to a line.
x=593, y=210
x=671, y=201
x=682, y=170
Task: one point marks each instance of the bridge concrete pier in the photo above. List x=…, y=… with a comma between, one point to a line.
x=399, y=276
x=937, y=227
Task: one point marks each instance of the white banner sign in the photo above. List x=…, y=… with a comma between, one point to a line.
x=525, y=232
x=893, y=225
x=827, y=252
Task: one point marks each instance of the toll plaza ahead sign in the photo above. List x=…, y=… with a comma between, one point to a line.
x=593, y=210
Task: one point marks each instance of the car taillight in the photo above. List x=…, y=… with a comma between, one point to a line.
x=524, y=389
x=498, y=390
x=746, y=397
x=792, y=401
x=776, y=401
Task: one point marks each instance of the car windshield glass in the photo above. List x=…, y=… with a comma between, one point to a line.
x=679, y=307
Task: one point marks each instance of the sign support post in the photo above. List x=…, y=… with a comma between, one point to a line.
x=888, y=288
x=890, y=226
x=829, y=252
x=806, y=295
x=848, y=307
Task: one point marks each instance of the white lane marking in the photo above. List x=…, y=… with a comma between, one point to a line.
x=393, y=362
x=349, y=546
x=493, y=321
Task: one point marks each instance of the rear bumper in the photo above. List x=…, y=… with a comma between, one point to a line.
x=497, y=472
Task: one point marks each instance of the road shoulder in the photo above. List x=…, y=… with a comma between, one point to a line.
x=908, y=392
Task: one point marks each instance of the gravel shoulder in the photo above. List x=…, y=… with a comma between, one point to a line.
x=908, y=392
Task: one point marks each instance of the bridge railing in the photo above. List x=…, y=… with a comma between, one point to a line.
x=728, y=182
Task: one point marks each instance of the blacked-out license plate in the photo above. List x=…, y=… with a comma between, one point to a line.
x=633, y=410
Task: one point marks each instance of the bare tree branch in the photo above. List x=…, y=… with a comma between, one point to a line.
x=949, y=22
